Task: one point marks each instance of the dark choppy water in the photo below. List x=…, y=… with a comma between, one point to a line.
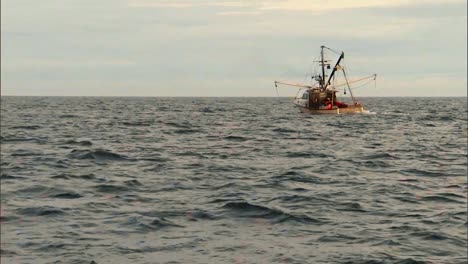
x=232, y=180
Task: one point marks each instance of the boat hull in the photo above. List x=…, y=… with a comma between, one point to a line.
x=333, y=111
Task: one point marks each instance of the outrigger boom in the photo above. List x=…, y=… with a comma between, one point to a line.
x=292, y=84
x=337, y=85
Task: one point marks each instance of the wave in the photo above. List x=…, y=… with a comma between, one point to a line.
x=78, y=142
x=90, y=177
x=6, y=176
x=25, y=153
x=224, y=185
x=137, y=123
x=336, y=238
x=40, y=211
x=245, y=209
x=236, y=138
x=417, y=172
x=454, y=195
x=201, y=215
x=390, y=183
x=285, y=130
x=411, y=261
x=154, y=159
x=53, y=247
x=133, y=183
x=68, y=116
x=441, y=199
x=108, y=188
x=351, y=206
x=97, y=155
x=306, y=155
x=186, y=131
x=432, y=117
x=373, y=163
x=408, y=180
x=9, y=138
x=178, y=125
x=7, y=253
x=297, y=176
x=30, y=127
x=301, y=199
x=387, y=242
x=407, y=199
x=380, y=156
x=386, y=261
x=208, y=110
x=162, y=222
x=191, y=153
x=67, y=195
x=144, y=224
x=52, y=192
x=429, y=235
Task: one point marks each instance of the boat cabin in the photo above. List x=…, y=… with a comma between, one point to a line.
x=314, y=98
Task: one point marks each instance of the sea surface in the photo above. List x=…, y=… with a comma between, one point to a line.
x=232, y=180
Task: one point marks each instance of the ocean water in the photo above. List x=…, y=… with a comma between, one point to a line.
x=232, y=180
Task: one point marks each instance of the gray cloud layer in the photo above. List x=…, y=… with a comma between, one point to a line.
x=230, y=48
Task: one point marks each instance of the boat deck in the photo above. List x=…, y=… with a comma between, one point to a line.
x=335, y=110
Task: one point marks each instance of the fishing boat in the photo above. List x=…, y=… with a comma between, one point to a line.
x=320, y=97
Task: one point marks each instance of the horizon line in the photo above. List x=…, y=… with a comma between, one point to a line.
x=238, y=96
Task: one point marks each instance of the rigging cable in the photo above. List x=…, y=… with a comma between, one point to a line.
x=337, y=52
x=349, y=88
x=297, y=94
x=364, y=84
x=375, y=81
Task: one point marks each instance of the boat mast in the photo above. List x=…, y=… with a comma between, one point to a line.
x=322, y=81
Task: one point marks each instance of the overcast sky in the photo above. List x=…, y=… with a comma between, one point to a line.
x=228, y=48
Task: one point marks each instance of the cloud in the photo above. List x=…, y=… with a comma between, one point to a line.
x=434, y=85
x=184, y=4
x=239, y=13
x=34, y=63
x=208, y=47
x=287, y=5
x=323, y=5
